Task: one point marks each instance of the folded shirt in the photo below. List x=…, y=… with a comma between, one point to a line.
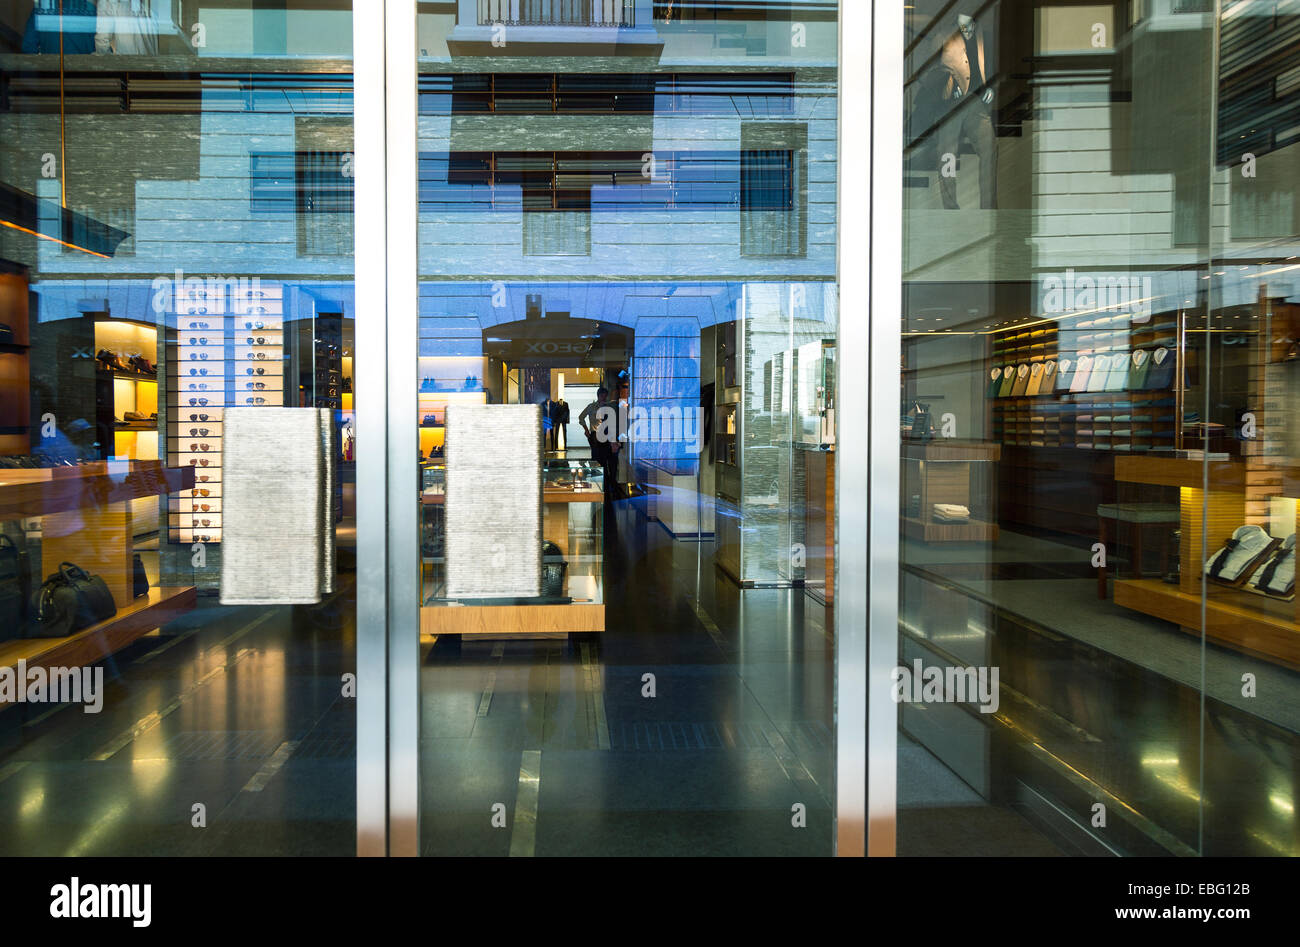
x=1063, y=369
x=1277, y=575
x=1138, y=369
x=1244, y=549
x=1161, y=373
x=1022, y=380
x=995, y=381
x=1082, y=372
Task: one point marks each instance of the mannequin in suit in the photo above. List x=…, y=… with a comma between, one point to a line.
x=968, y=98
x=559, y=419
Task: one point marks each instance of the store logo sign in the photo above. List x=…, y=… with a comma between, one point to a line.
x=557, y=348
x=74, y=899
x=946, y=685
x=20, y=684
x=1084, y=293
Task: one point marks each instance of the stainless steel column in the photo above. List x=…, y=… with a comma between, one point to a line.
x=370, y=376
x=401, y=68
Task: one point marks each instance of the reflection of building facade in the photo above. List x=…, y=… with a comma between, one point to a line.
x=1121, y=320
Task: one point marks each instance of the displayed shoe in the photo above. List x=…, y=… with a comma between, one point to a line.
x=1240, y=555
x=1276, y=576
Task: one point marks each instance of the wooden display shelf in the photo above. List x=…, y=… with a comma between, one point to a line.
x=1232, y=616
x=1225, y=476
x=548, y=496
x=510, y=620
x=940, y=532
x=85, y=647
x=39, y=492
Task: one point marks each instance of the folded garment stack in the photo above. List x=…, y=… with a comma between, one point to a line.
x=951, y=513
x=1240, y=555
x=1276, y=576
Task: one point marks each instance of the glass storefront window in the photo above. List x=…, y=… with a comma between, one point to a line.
x=1097, y=627
x=177, y=445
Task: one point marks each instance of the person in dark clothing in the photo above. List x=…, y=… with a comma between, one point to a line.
x=599, y=422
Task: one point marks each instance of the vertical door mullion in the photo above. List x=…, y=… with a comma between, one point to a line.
x=370, y=382
x=851, y=438
x=886, y=328
x=401, y=107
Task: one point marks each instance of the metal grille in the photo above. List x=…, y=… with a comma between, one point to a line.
x=557, y=12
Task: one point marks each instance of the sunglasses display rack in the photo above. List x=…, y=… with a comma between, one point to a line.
x=226, y=350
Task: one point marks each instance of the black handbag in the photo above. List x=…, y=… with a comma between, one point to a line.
x=15, y=588
x=553, y=569
x=69, y=600
x=139, y=578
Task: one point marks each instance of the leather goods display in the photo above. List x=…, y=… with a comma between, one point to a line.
x=139, y=578
x=69, y=600
x=553, y=569
x=15, y=588
x=1240, y=555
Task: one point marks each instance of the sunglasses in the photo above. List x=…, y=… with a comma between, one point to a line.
x=203, y=463
x=260, y=340
x=203, y=539
x=198, y=325
x=202, y=447
x=204, y=522
x=198, y=432
x=205, y=507
x=198, y=371
x=198, y=417
x=199, y=311
x=259, y=310
x=259, y=371
x=198, y=341
x=201, y=386
x=197, y=356
x=256, y=355
x=254, y=401
x=202, y=478
x=202, y=401
x=201, y=493
x=256, y=385
x=254, y=325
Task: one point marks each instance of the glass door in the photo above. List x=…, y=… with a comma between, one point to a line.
x=621, y=391
x=177, y=439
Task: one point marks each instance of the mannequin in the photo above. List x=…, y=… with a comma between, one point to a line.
x=964, y=69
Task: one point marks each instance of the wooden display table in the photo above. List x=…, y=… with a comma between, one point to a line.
x=585, y=613
x=939, y=471
x=1248, y=622
x=86, y=520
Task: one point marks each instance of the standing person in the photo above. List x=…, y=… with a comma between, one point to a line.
x=602, y=435
x=968, y=95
